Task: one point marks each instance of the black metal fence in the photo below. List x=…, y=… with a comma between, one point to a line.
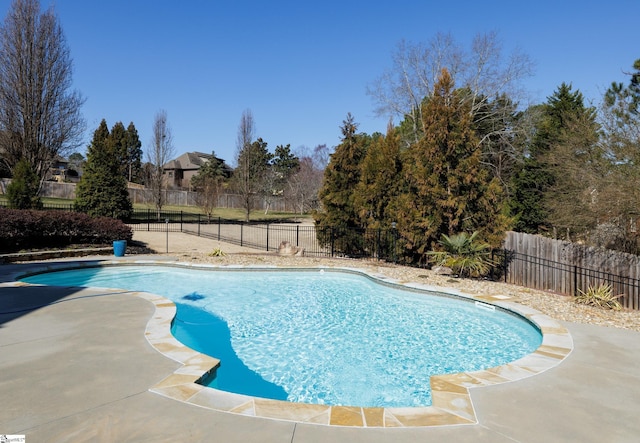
x=328, y=242
x=378, y=244
x=567, y=278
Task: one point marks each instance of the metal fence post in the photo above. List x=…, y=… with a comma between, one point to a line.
x=198, y=225
x=575, y=280
x=241, y=233
x=148, y=219
x=267, y=237
x=167, y=222
x=332, y=240
x=506, y=265
x=297, y=235
x=218, y=228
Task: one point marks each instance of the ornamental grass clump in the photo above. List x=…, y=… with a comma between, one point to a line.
x=217, y=253
x=600, y=296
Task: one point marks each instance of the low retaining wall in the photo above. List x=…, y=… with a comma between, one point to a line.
x=48, y=255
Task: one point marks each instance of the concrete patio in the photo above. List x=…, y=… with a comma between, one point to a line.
x=76, y=366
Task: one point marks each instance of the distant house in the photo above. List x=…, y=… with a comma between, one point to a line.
x=58, y=170
x=178, y=172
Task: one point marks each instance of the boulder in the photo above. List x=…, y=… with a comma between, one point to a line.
x=288, y=249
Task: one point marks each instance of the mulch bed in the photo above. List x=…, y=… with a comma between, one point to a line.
x=75, y=250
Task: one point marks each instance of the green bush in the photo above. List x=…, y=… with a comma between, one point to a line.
x=464, y=254
x=22, y=192
x=30, y=229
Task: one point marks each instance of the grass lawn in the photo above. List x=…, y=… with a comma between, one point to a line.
x=226, y=213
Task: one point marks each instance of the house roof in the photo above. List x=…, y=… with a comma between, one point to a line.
x=190, y=161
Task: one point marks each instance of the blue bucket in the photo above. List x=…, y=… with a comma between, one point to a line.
x=119, y=247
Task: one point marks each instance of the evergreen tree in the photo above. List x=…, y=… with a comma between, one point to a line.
x=134, y=155
x=580, y=170
x=528, y=187
x=102, y=191
x=76, y=162
x=532, y=183
x=341, y=177
x=620, y=139
x=22, y=192
x=447, y=189
x=284, y=163
x=208, y=183
x=282, y=166
x=118, y=144
x=625, y=98
x=380, y=181
x=253, y=163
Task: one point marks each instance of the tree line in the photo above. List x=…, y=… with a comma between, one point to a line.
x=466, y=160
x=262, y=175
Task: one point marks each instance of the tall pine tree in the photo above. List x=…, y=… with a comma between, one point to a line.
x=532, y=183
x=380, y=181
x=134, y=155
x=447, y=191
x=341, y=177
x=339, y=219
x=102, y=191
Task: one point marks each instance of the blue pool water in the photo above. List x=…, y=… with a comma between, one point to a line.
x=321, y=337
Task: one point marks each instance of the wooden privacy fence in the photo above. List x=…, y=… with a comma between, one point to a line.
x=558, y=266
x=172, y=197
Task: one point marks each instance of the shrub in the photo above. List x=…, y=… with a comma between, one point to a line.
x=22, y=192
x=464, y=254
x=600, y=296
x=28, y=229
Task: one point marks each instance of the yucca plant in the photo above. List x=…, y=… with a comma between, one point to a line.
x=600, y=296
x=217, y=253
x=464, y=254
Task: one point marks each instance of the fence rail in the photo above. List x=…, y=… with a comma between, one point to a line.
x=565, y=268
x=328, y=242
x=171, y=197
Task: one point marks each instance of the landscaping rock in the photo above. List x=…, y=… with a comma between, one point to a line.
x=287, y=249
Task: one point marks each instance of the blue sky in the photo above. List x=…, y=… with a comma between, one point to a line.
x=301, y=66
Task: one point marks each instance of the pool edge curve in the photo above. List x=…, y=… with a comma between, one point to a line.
x=451, y=399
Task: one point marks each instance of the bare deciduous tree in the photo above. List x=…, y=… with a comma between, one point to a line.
x=482, y=71
x=303, y=186
x=401, y=90
x=160, y=152
x=320, y=156
x=39, y=114
x=246, y=131
x=252, y=161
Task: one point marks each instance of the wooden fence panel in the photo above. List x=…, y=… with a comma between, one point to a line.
x=173, y=197
x=565, y=268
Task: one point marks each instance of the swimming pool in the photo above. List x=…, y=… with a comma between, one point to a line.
x=322, y=337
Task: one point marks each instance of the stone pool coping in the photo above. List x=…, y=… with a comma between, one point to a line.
x=451, y=401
